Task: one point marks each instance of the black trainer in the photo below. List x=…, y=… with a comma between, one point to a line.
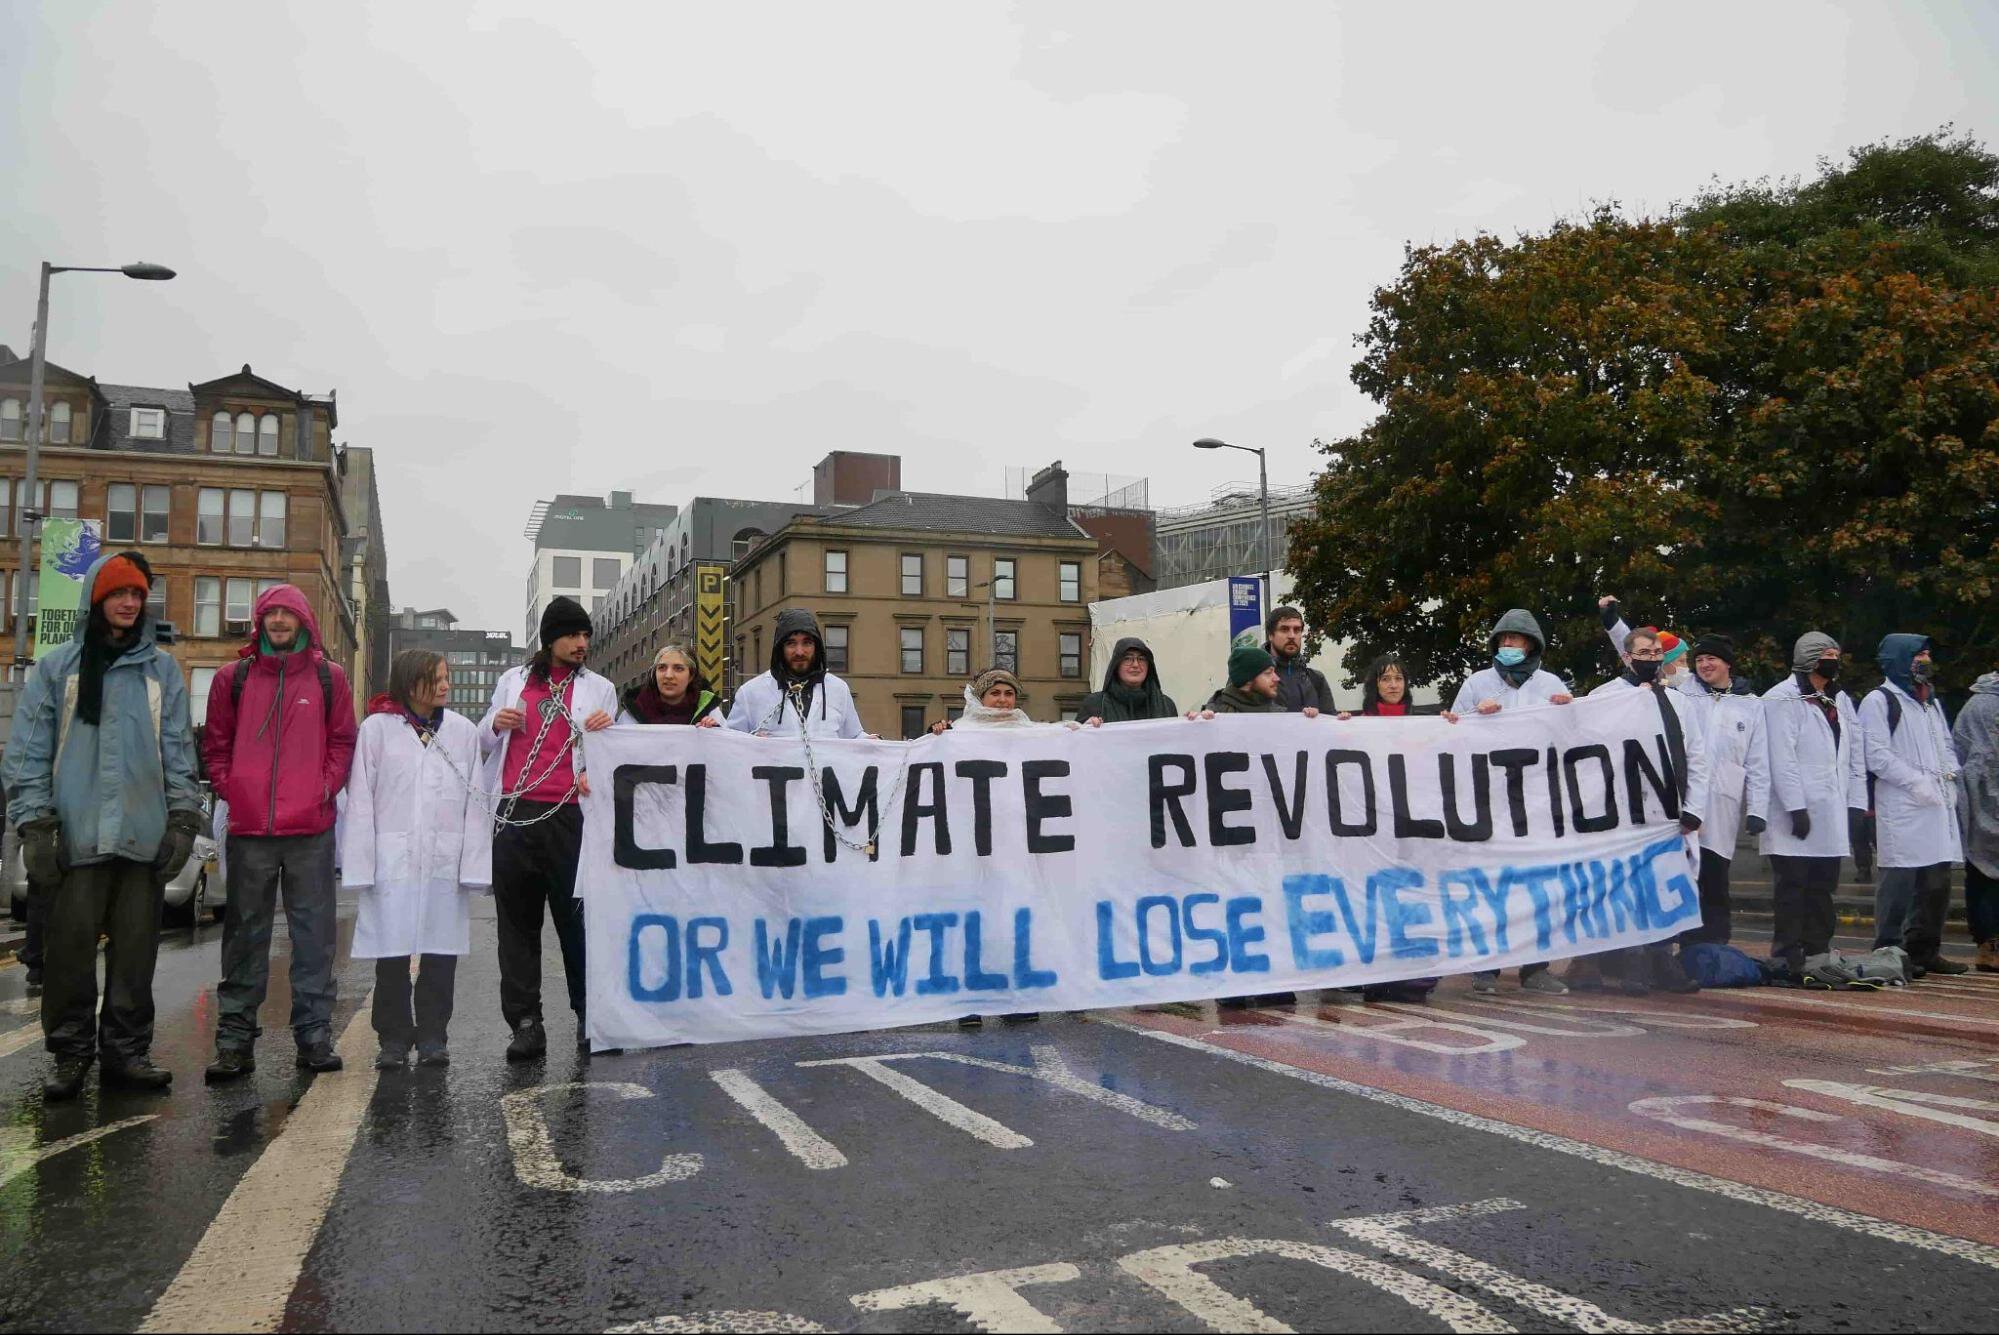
x=229, y=1064
x=319, y=1057
x=432, y=1055
x=1945, y=967
x=135, y=1073
x=529, y=1042
x=65, y=1081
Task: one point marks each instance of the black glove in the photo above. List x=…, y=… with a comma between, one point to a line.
x=41, y=849
x=1689, y=821
x=1801, y=824
x=1757, y=825
x=1610, y=615
x=176, y=844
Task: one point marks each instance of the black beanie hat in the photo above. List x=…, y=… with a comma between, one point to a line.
x=1719, y=645
x=563, y=616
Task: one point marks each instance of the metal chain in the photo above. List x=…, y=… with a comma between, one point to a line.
x=796, y=692
x=505, y=801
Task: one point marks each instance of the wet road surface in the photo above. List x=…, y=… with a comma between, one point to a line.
x=1753, y=1160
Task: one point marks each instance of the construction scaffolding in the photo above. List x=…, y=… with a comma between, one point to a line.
x=1223, y=535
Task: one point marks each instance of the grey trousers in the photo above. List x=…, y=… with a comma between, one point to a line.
x=260, y=867
x=1909, y=907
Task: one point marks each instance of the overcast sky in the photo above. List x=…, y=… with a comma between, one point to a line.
x=688, y=249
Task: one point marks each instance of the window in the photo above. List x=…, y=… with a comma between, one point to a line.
x=913, y=722
x=153, y=513
x=208, y=517
x=264, y=586
x=267, y=435
x=604, y=572
x=1003, y=578
x=1070, y=646
x=198, y=683
x=569, y=572
x=242, y=517
x=56, y=430
x=246, y=433
x=207, y=605
x=149, y=424
x=271, y=519
x=236, y=612
x=952, y=713
x=14, y=593
x=912, y=574
x=836, y=572
x=957, y=576
x=221, y=435
x=912, y=649
x=958, y=652
x=61, y=498
x=10, y=419
x=121, y=512
x=836, y=649
x=156, y=599
x=1006, y=650
x=1072, y=581
x=6, y=505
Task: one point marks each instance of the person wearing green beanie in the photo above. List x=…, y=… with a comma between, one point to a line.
x=1252, y=687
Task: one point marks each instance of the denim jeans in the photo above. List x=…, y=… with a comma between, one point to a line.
x=260, y=868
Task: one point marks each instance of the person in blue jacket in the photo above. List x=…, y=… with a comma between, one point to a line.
x=100, y=779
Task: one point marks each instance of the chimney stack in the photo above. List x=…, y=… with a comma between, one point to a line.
x=1049, y=489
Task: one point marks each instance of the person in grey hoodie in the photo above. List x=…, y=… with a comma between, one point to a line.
x=1977, y=738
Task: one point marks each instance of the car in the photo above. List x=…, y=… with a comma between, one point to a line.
x=197, y=890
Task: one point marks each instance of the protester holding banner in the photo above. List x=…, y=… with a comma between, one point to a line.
x=100, y=776
x=797, y=692
x=673, y=693
x=1726, y=717
x=1816, y=777
x=278, y=742
x=1300, y=686
x=1384, y=692
x=1515, y=680
x=1131, y=691
x=1914, y=764
x=1253, y=686
x=539, y=773
x=992, y=700
x=417, y=837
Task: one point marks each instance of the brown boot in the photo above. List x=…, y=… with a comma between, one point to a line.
x=1584, y=974
x=1988, y=957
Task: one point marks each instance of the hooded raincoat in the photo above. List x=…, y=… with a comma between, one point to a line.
x=1118, y=703
x=111, y=785
x=1914, y=765
x=1729, y=726
x=279, y=753
x=764, y=703
x=416, y=836
x=1515, y=687
x=1977, y=738
x=1813, y=769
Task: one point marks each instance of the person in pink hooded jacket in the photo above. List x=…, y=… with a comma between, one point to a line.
x=279, y=739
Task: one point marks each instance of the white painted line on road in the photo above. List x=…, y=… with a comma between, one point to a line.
x=1667, y=1110
x=990, y=1300
x=720, y=1323
x=1804, y=1005
x=1394, y=1031
x=242, y=1272
x=1170, y=1270
x=27, y=1036
x=1906, y=1234
x=1644, y=1015
x=1970, y=1068
x=1579, y=1026
x=811, y=1149
x=18, y=1154
x=1909, y=1102
x=21, y=1006
x=536, y=1163
x=938, y=1104
x=1050, y=1068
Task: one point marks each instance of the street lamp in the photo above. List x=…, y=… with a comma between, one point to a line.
x=1263, y=490
x=30, y=515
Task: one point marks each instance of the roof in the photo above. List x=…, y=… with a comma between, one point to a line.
x=120, y=399
x=934, y=512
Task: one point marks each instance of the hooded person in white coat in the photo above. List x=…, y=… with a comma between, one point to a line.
x=1913, y=762
x=797, y=689
x=1727, y=717
x=417, y=841
x=1817, y=780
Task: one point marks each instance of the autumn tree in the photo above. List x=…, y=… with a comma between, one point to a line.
x=1775, y=409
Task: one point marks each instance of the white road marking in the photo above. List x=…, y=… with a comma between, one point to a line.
x=1050, y=1068
x=21, y=1006
x=1969, y=1068
x=27, y=1036
x=1909, y=1102
x=535, y=1160
x=989, y=1300
x=1576, y=1026
x=1804, y=1005
x=1170, y=1270
x=938, y=1104
x=241, y=1274
x=808, y=1146
x=1644, y=1015
x=1394, y=1031
x=1219, y=1182
x=727, y=1323
x=1667, y=1110
x=1906, y=1234
x=18, y=1153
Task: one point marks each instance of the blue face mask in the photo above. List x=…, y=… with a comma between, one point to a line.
x=1511, y=656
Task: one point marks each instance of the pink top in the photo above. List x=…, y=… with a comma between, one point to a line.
x=552, y=783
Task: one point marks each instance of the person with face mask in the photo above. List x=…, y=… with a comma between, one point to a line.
x=1131, y=692
x=797, y=690
x=1515, y=680
x=1727, y=718
x=1914, y=763
x=1817, y=778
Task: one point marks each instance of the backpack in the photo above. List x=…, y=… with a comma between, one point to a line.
x=1713, y=965
x=242, y=674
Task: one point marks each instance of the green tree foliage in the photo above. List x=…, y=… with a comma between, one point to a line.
x=1776, y=409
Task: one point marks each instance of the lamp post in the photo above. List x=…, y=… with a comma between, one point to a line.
x=30, y=511
x=1263, y=491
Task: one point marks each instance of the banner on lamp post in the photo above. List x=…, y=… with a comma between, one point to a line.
x=69, y=547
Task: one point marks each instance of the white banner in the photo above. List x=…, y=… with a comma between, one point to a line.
x=1136, y=863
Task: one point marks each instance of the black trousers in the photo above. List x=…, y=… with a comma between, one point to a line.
x=534, y=869
x=1716, y=925
x=1802, y=895
x=397, y=1022
x=122, y=900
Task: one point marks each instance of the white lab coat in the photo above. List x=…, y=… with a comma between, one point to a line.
x=1738, y=760
x=1811, y=772
x=761, y=706
x=589, y=694
x=418, y=837
x=1915, y=781
x=1695, y=802
x=1487, y=684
